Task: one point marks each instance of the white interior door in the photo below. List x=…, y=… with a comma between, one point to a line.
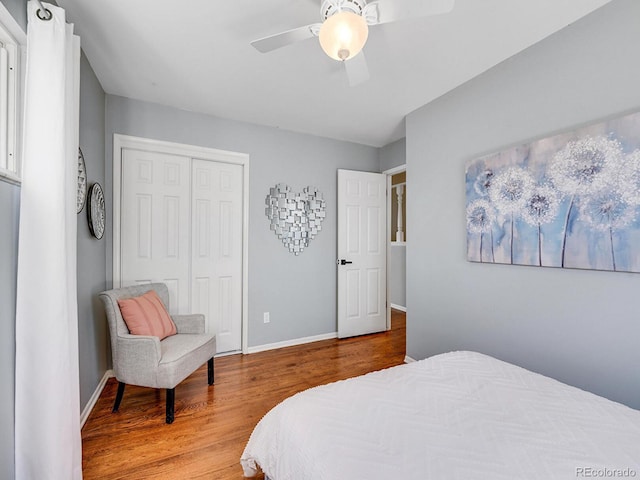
x=155, y=223
x=217, y=249
x=362, y=257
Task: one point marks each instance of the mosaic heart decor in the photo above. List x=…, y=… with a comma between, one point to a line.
x=296, y=218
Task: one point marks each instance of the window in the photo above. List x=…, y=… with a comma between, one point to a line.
x=9, y=103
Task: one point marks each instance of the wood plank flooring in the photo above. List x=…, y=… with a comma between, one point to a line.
x=213, y=424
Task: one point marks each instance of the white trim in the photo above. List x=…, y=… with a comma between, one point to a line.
x=192, y=151
x=9, y=177
x=183, y=149
x=94, y=398
x=399, y=307
x=16, y=40
x=10, y=24
x=226, y=354
x=389, y=188
x=388, y=238
x=245, y=259
x=118, y=145
x=398, y=169
x=398, y=244
x=408, y=359
x=292, y=342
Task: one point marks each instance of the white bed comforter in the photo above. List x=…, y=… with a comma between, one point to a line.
x=460, y=415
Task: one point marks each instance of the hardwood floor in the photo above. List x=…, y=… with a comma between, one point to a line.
x=213, y=424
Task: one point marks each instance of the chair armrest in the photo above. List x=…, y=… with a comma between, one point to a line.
x=137, y=359
x=193, y=323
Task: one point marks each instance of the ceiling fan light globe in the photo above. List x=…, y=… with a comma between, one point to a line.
x=343, y=35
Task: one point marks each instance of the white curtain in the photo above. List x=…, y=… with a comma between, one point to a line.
x=47, y=418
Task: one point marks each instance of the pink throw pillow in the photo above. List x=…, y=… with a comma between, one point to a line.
x=147, y=315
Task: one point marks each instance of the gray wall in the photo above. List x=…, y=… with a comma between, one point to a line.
x=299, y=292
x=9, y=207
x=580, y=327
x=92, y=324
x=390, y=156
x=393, y=155
x=9, y=215
x=18, y=10
x=397, y=269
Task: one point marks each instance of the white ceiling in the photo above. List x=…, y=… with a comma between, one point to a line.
x=195, y=55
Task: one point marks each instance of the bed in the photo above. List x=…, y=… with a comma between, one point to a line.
x=459, y=415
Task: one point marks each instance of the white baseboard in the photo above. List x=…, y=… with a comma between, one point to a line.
x=399, y=307
x=94, y=398
x=408, y=359
x=226, y=354
x=293, y=342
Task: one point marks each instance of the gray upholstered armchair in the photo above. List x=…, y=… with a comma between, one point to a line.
x=150, y=362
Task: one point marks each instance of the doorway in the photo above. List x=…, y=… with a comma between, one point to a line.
x=396, y=239
x=181, y=217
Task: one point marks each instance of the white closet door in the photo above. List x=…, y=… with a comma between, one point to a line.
x=156, y=224
x=217, y=249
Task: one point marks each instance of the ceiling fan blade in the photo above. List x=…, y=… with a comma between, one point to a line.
x=357, y=69
x=394, y=10
x=279, y=40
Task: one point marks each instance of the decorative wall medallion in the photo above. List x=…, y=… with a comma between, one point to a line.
x=95, y=211
x=296, y=218
x=82, y=182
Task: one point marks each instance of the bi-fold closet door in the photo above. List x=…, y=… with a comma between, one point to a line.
x=181, y=224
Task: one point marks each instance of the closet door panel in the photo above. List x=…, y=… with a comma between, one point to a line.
x=156, y=224
x=217, y=249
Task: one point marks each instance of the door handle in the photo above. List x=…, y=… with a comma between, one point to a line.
x=343, y=262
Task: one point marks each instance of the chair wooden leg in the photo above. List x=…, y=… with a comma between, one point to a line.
x=210, y=370
x=171, y=397
x=116, y=405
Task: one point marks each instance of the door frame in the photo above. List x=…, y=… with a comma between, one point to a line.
x=192, y=151
x=389, y=173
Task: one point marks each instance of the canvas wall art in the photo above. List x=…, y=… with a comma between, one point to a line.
x=570, y=201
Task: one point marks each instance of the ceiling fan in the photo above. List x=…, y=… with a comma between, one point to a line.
x=345, y=28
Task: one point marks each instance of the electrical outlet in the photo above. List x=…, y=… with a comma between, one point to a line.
x=265, y=317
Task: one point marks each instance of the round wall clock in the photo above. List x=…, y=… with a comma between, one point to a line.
x=95, y=210
x=82, y=182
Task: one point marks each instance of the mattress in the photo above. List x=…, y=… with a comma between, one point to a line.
x=460, y=415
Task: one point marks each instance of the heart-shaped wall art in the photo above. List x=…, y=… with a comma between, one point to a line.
x=296, y=218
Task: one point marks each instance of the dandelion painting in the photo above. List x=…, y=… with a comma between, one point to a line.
x=568, y=201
